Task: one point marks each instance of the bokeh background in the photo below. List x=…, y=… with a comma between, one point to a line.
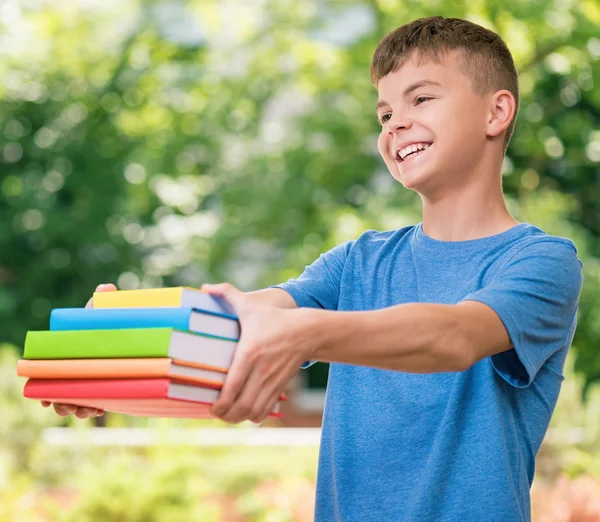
x=165, y=143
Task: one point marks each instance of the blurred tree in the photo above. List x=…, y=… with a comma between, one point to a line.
x=166, y=143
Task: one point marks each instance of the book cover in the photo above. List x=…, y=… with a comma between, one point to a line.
x=186, y=319
x=130, y=343
x=181, y=296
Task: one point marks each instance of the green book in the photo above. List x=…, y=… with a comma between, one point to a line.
x=130, y=342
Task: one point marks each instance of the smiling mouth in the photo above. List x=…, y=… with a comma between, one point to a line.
x=411, y=155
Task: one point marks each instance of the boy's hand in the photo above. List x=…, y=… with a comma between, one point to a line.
x=273, y=344
x=79, y=411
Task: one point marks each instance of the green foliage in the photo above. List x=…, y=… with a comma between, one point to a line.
x=22, y=420
x=573, y=444
x=18, y=498
x=170, y=482
x=130, y=488
x=179, y=484
x=154, y=144
x=166, y=482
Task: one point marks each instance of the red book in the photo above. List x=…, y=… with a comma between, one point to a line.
x=143, y=397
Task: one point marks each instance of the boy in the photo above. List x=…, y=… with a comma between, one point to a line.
x=446, y=339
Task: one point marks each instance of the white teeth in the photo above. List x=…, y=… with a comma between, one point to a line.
x=412, y=148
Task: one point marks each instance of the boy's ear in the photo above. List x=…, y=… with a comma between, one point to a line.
x=502, y=111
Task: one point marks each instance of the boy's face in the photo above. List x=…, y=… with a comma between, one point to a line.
x=432, y=107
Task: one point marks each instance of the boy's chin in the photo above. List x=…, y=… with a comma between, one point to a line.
x=416, y=181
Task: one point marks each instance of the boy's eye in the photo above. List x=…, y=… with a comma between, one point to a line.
x=418, y=100
x=385, y=118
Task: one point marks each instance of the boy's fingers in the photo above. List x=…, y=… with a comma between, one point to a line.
x=64, y=409
x=92, y=412
x=233, y=295
x=80, y=411
x=84, y=413
x=106, y=287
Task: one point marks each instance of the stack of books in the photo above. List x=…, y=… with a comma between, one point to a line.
x=161, y=352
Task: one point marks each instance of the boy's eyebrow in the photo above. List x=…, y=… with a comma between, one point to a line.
x=411, y=88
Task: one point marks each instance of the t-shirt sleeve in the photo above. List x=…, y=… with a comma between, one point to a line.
x=319, y=285
x=535, y=294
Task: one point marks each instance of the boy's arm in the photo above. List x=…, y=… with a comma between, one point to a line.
x=413, y=337
x=272, y=296
x=410, y=337
x=520, y=318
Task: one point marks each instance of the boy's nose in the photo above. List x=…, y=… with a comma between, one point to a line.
x=397, y=123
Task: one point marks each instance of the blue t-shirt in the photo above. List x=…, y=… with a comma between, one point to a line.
x=454, y=446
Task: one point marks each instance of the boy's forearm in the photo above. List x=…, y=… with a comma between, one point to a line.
x=415, y=337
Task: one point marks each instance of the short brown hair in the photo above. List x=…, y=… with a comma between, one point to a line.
x=485, y=59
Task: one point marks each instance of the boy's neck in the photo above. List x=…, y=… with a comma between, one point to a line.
x=471, y=212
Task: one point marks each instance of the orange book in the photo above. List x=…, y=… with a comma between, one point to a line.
x=123, y=369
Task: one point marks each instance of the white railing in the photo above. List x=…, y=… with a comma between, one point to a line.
x=252, y=436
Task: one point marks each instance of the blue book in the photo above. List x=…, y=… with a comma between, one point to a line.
x=186, y=319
